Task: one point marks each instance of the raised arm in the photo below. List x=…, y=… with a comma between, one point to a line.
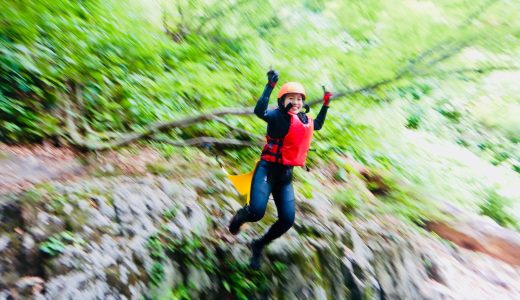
x=261, y=105
x=320, y=119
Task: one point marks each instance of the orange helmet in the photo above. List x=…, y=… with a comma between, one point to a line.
x=291, y=87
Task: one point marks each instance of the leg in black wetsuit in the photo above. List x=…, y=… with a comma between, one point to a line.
x=268, y=178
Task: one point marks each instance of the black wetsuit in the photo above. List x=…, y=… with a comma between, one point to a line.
x=273, y=178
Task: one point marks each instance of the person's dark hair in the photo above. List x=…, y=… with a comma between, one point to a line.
x=280, y=102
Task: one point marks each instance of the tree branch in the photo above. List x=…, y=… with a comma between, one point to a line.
x=470, y=70
x=477, y=13
x=74, y=136
x=82, y=143
x=206, y=140
x=248, y=133
x=360, y=90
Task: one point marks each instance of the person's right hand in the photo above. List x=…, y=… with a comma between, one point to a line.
x=272, y=77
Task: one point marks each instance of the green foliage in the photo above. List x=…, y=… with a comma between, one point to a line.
x=159, y=168
x=341, y=175
x=500, y=157
x=414, y=92
x=126, y=69
x=157, y=253
x=413, y=121
x=497, y=208
x=181, y=292
x=402, y=200
x=52, y=246
x=170, y=213
x=55, y=244
x=240, y=280
x=156, y=248
x=156, y=273
x=348, y=200
x=136, y=63
x=166, y=150
x=306, y=190
x=236, y=278
x=450, y=113
x=342, y=135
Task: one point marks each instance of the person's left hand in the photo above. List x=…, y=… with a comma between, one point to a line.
x=326, y=97
x=272, y=77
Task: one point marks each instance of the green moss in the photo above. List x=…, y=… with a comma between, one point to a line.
x=170, y=213
x=56, y=203
x=31, y=197
x=55, y=244
x=236, y=279
x=160, y=168
x=75, y=220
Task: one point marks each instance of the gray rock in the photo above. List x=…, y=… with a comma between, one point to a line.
x=4, y=242
x=47, y=225
x=29, y=287
x=4, y=295
x=323, y=257
x=104, y=207
x=202, y=282
x=67, y=208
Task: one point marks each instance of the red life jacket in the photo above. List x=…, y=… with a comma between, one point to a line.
x=291, y=150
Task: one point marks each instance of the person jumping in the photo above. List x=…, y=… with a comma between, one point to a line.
x=289, y=134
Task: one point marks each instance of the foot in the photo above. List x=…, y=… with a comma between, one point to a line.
x=256, y=257
x=237, y=221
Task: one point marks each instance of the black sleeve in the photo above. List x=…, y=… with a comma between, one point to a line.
x=320, y=119
x=261, y=105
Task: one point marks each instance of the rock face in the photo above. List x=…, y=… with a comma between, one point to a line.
x=480, y=234
x=153, y=238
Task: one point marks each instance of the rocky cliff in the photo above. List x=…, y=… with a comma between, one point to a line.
x=156, y=238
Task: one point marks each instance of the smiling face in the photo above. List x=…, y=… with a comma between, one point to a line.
x=296, y=100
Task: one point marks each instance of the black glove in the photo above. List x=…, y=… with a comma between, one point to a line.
x=272, y=77
x=286, y=109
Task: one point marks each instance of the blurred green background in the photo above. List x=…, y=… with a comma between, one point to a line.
x=428, y=90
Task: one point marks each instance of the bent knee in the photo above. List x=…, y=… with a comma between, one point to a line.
x=287, y=220
x=256, y=214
